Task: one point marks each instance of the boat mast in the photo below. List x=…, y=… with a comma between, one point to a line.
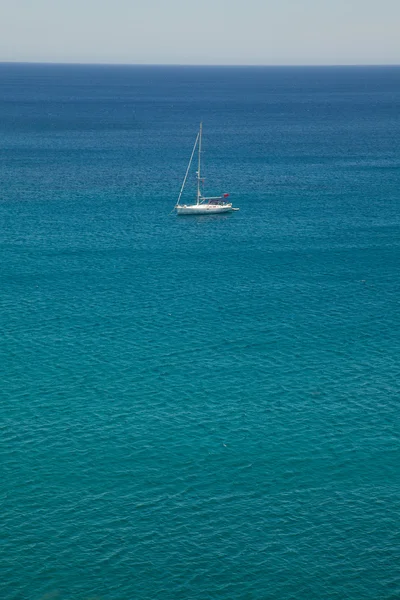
x=198, y=170
x=187, y=170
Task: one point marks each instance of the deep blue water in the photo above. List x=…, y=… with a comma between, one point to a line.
x=207, y=407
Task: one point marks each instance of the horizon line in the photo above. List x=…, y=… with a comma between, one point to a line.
x=254, y=65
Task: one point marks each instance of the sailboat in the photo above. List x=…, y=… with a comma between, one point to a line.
x=203, y=205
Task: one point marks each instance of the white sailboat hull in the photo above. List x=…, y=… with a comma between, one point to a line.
x=204, y=209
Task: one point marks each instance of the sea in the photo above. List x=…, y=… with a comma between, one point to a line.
x=207, y=407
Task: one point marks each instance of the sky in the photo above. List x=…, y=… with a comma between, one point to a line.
x=207, y=32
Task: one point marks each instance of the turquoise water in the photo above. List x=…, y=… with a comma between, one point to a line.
x=206, y=407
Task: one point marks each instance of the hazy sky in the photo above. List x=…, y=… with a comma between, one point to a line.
x=269, y=32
